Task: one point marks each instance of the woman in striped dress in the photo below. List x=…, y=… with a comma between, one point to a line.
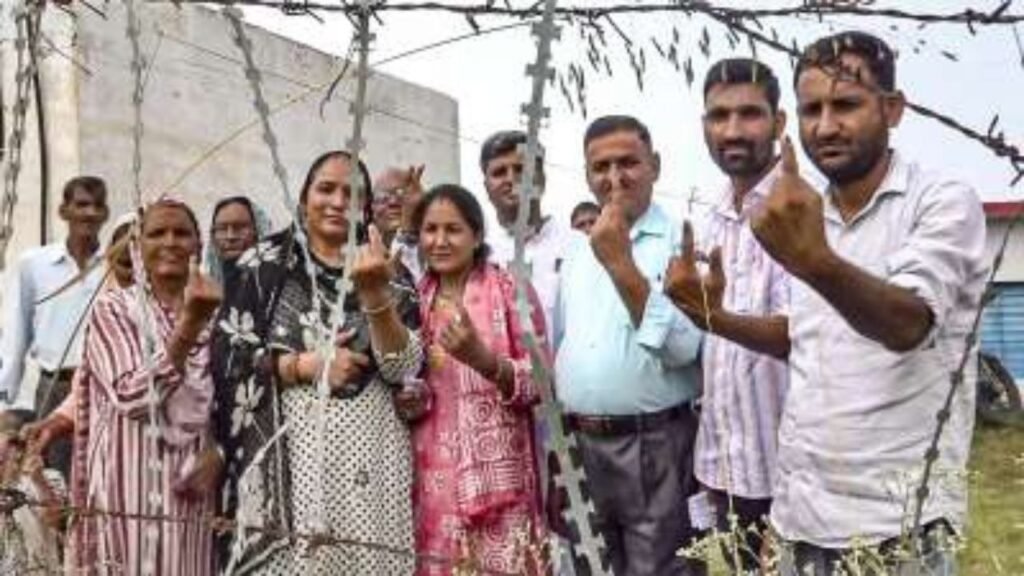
x=118, y=465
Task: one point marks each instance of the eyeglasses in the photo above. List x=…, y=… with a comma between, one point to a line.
x=232, y=229
x=382, y=197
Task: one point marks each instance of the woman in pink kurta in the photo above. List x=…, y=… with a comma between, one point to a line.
x=477, y=489
x=116, y=466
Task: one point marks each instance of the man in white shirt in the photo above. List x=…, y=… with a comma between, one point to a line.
x=741, y=304
x=547, y=243
x=888, y=271
x=42, y=310
x=547, y=240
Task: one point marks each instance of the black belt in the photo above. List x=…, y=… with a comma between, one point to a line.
x=618, y=425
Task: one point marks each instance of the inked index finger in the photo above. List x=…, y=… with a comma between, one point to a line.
x=789, y=162
x=689, y=252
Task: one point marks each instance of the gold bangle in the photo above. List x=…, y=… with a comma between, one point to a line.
x=379, y=309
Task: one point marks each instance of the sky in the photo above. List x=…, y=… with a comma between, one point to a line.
x=486, y=75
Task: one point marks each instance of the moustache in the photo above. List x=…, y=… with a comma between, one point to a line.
x=745, y=144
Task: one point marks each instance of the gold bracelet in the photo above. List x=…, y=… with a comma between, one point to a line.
x=379, y=309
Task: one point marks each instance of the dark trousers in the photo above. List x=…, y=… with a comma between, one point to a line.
x=751, y=523
x=937, y=557
x=53, y=389
x=639, y=482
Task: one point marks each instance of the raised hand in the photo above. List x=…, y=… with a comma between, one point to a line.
x=460, y=339
x=609, y=237
x=372, y=269
x=202, y=295
x=791, y=225
x=413, y=186
x=698, y=295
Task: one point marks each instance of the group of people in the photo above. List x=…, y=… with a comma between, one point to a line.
x=776, y=368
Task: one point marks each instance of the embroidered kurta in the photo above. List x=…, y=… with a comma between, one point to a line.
x=477, y=488
x=112, y=458
x=360, y=486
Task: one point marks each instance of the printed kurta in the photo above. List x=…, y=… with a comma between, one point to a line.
x=112, y=458
x=477, y=488
x=361, y=487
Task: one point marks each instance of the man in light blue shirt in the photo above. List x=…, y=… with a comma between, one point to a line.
x=41, y=312
x=626, y=358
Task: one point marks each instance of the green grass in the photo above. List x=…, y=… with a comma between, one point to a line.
x=995, y=537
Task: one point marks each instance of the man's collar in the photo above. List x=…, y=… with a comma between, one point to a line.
x=61, y=252
x=726, y=207
x=896, y=181
x=652, y=222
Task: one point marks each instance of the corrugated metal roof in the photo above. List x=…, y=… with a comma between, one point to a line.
x=1002, y=328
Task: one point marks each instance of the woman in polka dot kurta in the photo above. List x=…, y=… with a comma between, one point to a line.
x=352, y=478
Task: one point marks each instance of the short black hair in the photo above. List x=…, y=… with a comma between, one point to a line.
x=364, y=173
x=606, y=125
x=730, y=71
x=467, y=205
x=93, y=185
x=504, y=142
x=876, y=54
x=585, y=206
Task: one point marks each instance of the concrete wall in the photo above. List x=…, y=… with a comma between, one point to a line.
x=57, y=86
x=196, y=98
x=1012, y=268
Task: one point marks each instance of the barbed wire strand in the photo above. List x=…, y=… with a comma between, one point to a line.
x=968, y=16
x=12, y=499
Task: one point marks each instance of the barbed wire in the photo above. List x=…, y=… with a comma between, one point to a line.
x=27, y=17
x=993, y=139
x=969, y=16
x=956, y=380
x=12, y=499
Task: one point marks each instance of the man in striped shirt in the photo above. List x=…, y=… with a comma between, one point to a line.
x=745, y=374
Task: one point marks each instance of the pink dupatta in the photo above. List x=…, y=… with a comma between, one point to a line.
x=495, y=433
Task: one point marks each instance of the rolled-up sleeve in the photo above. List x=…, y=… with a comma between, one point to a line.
x=944, y=249
x=668, y=333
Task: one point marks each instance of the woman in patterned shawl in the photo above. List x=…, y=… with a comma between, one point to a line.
x=477, y=489
x=348, y=475
x=236, y=225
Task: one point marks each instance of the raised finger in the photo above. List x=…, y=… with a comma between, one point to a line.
x=376, y=242
x=789, y=162
x=717, y=271
x=688, y=248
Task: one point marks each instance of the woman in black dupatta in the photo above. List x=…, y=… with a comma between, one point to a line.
x=267, y=359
